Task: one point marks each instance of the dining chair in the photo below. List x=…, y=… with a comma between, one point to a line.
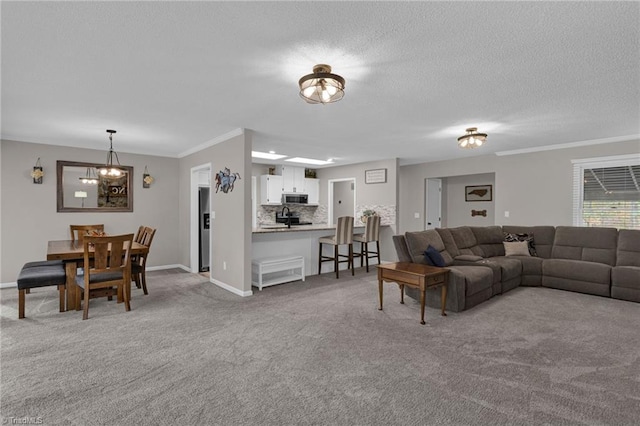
x=139, y=262
x=371, y=234
x=110, y=267
x=343, y=236
x=78, y=232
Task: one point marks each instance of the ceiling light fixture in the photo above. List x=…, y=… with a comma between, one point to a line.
x=472, y=138
x=109, y=170
x=271, y=155
x=321, y=87
x=90, y=178
x=309, y=161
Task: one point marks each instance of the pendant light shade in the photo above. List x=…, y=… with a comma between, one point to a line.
x=321, y=87
x=109, y=170
x=90, y=177
x=472, y=138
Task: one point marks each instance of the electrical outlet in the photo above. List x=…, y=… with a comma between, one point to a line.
x=416, y=215
x=213, y=215
x=506, y=213
x=224, y=265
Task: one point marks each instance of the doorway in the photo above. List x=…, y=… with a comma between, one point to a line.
x=433, y=208
x=201, y=206
x=342, y=198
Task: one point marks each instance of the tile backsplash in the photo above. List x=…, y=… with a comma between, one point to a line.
x=319, y=214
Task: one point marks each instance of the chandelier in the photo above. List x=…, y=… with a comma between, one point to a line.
x=109, y=170
x=472, y=138
x=321, y=87
x=90, y=178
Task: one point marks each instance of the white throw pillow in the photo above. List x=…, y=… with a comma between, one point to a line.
x=516, y=248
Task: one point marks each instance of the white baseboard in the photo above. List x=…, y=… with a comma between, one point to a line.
x=9, y=285
x=231, y=289
x=163, y=267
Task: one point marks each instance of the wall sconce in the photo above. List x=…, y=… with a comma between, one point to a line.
x=37, y=172
x=147, y=179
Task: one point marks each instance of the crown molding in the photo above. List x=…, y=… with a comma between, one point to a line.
x=222, y=138
x=568, y=145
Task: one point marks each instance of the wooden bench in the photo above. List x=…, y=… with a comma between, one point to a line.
x=41, y=274
x=268, y=271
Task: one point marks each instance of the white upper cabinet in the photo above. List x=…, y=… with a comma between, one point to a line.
x=292, y=178
x=312, y=188
x=270, y=190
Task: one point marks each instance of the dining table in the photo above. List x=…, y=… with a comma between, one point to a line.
x=72, y=253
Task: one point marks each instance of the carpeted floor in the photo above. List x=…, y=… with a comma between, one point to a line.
x=319, y=352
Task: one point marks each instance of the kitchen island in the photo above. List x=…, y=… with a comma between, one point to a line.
x=302, y=240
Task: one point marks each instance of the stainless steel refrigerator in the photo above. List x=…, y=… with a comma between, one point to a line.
x=203, y=229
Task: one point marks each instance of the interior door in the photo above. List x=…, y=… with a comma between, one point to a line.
x=433, y=209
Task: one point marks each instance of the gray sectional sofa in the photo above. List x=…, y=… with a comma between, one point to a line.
x=599, y=261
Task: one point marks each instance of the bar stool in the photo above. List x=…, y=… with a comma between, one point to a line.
x=344, y=235
x=371, y=234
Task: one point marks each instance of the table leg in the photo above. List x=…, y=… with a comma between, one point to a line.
x=423, y=296
x=380, y=293
x=443, y=297
x=70, y=269
x=401, y=293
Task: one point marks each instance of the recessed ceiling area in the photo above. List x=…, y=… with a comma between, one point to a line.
x=171, y=76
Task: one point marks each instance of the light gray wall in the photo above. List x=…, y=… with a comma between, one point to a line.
x=458, y=210
x=231, y=228
x=536, y=188
x=30, y=219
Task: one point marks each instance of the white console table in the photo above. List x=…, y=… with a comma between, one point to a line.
x=268, y=271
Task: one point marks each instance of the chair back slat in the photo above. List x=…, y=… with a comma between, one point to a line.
x=344, y=230
x=110, y=253
x=78, y=232
x=372, y=228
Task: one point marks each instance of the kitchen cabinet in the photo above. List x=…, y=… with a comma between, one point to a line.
x=270, y=190
x=312, y=188
x=292, y=178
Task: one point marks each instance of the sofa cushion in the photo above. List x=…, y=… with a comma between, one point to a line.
x=449, y=243
x=577, y=270
x=587, y=244
x=489, y=240
x=466, y=241
x=477, y=279
x=626, y=276
x=543, y=237
x=417, y=243
x=628, y=248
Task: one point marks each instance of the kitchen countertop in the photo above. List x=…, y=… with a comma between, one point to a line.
x=268, y=229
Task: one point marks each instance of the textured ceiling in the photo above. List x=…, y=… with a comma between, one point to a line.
x=171, y=76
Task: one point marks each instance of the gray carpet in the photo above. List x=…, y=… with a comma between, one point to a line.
x=319, y=352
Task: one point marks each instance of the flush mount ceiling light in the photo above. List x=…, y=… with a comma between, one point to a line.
x=321, y=87
x=109, y=170
x=472, y=138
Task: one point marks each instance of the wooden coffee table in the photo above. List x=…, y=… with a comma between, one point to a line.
x=415, y=275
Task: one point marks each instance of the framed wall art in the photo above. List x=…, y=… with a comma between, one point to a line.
x=478, y=193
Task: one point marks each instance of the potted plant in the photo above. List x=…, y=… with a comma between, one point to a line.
x=366, y=214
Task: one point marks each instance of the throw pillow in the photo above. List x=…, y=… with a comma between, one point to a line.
x=512, y=237
x=516, y=248
x=435, y=256
x=427, y=259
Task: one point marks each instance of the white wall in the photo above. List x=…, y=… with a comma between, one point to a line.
x=30, y=219
x=536, y=188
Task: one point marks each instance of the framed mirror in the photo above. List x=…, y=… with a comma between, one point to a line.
x=81, y=189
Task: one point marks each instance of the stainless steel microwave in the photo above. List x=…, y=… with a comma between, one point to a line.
x=295, y=199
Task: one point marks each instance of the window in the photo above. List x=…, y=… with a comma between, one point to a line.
x=606, y=192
